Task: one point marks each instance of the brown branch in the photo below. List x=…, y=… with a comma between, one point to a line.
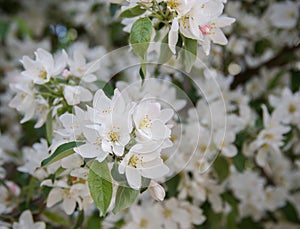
x=282, y=58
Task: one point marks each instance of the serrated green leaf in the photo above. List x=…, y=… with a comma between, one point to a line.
x=124, y=198
x=100, y=185
x=140, y=36
x=132, y=12
x=221, y=167
x=190, y=50
x=62, y=151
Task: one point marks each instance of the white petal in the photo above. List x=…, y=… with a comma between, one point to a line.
x=88, y=150
x=173, y=36
x=69, y=205
x=54, y=197
x=218, y=37
x=133, y=177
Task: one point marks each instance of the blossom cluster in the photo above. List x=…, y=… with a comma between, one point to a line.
x=157, y=134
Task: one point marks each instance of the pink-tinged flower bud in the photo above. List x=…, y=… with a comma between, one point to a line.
x=13, y=188
x=157, y=191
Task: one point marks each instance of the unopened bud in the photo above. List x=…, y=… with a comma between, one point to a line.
x=157, y=191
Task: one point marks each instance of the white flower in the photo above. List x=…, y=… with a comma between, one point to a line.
x=284, y=14
x=136, y=164
x=151, y=122
x=26, y=222
x=24, y=100
x=104, y=108
x=44, y=67
x=116, y=134
x=93, y=146
x=33, y=157
x=270, y=139
x=143, y=219
x=69, y=195
x=73, y=124
x=76, y=94
x=287, y=106
x=224, y=142
x=173, y=215
x=81, y=69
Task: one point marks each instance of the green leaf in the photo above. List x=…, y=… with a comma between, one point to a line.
x=172, y=185
x=94, y=221
x=132, y=12
x=221, y=167
x=145, y=184
x=100, y=185
x=295, y=81
x=62, y=151
x=190, y=49
x=49, y=129
x=124, y=198
x=120, y=178
x=165, y=51
x=23, y=27
x=231, y=220
x=79, y=221
x=140, y=36
x=290, y=213
x=4, y=27
x=56, y=218
x=239, y=162
x=248, y=223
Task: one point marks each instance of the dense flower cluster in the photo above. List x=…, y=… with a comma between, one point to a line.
x=171, y=131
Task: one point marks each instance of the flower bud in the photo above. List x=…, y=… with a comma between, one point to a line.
x=157, y=191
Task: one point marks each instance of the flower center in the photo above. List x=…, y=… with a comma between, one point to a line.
x=143, y=223
x=43, y=74
x=173, y=4
x=133, y=161
x=146, y=122
x=167, y=213
x=292, y=108
x=114, y=136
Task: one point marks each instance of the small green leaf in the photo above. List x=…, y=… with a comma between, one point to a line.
x=132, y=12
x=172, y=186
x=295, y=81
x=190, y=49
x=56, y=218
x=145, y=184
x=248, y=223
x=221, y=167
x=124, y=198
x=140, y=36
x=62, y=151
x=79, y=221
x=100, y=185
x=120, y=178
x=239, y=162
x=290, y=213
x=49, y=129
